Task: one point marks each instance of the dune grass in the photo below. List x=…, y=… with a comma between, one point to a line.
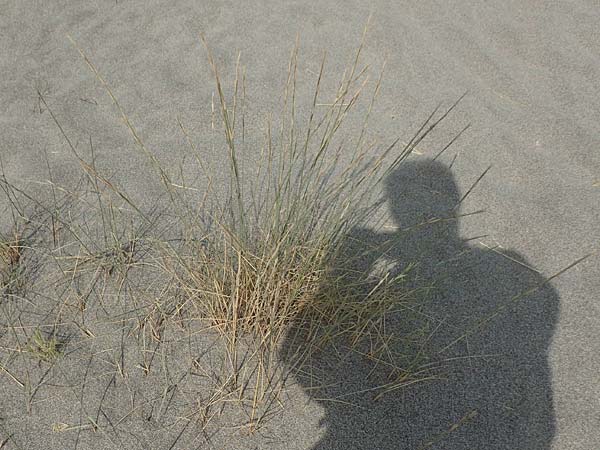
x=255, y=262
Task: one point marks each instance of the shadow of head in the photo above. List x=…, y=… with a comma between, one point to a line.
x=402, y=386
x=420, y=191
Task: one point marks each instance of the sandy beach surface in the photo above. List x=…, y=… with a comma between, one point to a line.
x=531, y=70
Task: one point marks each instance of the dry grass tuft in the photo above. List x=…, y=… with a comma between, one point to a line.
x=46, y=348
x=258, y=262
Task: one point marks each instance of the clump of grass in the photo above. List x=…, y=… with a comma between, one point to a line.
x=272, y=258
x=10, y=256
x=11, y=267
x=10, y=252
x=268, y=260
x=45, y=348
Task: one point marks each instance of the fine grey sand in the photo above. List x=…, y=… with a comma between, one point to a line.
x=531, y=70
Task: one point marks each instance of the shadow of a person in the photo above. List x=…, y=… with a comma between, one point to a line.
x=495, y=389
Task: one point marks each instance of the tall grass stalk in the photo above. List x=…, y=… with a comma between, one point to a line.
x=268, y=260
